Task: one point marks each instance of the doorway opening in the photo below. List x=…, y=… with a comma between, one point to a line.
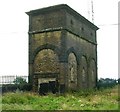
x=47, y=85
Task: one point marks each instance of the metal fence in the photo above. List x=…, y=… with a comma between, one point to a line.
x=10, y=79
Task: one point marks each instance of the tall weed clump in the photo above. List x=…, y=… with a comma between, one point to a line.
x=18, y=98
x=12, y=98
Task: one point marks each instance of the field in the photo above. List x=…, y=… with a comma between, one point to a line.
x=104, y=99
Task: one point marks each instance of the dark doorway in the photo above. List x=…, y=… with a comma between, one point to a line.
x=44, y=87
x=52, y=86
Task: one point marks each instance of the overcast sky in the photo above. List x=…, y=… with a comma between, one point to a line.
x=14, y=36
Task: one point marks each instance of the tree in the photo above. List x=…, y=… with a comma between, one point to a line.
x=119, y=81
x=107, y=82
x=19, y=80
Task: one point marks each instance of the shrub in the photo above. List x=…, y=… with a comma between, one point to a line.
x=105, y=83
x=19, y=80
x=119, y=81
x=14, y=87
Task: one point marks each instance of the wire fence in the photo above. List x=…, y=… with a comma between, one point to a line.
x=10, y=79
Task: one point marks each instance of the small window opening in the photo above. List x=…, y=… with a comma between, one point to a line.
x=71, y=22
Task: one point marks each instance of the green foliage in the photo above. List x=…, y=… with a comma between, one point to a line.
x=106, y=83
x=19, y=80
x=14, y=87
x=119, y=81
x=105, y=99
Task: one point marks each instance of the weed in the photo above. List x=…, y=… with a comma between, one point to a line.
x=105, y=99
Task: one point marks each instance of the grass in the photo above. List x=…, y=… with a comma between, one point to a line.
x=106, y=99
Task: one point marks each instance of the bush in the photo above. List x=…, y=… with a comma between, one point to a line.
x=19, y=80
x=119, y=81
x=25, y=87
x=14, y=87
x=105, y=83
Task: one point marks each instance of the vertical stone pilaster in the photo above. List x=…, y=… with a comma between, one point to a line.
x=35, y=84
x=78, y=77
x=30, y=73
x=63, y=74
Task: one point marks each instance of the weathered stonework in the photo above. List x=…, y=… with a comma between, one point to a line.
x=62, y=48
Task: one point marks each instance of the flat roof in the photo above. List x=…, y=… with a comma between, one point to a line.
x=67, y=8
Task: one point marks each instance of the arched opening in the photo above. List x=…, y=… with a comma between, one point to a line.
x=72, y=71
x=83, y=73
x=46, y=61
x=92, y=74
x=46, y=70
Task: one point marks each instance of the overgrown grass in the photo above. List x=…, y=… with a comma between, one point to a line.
x=106, y=99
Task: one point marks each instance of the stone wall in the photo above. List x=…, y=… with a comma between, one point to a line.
x=62, y=47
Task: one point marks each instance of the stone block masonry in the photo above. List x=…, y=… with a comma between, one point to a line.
x=62, y=48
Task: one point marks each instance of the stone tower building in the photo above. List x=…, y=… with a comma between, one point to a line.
x=62, y=48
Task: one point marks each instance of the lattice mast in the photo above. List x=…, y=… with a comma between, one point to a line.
x=90, y=11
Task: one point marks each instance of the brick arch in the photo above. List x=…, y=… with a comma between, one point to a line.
x=83, y=72
x=45, y=65
x=46, y=46
x=92, y=73
x=72, y=50
x=46, y=61
x=72, y=71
